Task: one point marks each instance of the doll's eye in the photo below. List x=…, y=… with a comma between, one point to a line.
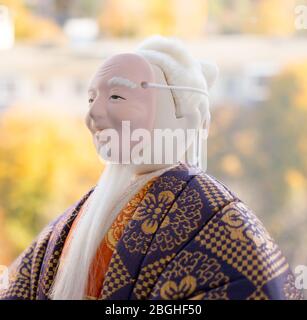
x=90, y=100
x=116, y=97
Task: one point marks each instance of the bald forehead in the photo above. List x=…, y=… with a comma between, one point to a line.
x=128, y=61
x=127, y=65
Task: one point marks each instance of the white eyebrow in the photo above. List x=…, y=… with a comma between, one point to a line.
x=123, y=82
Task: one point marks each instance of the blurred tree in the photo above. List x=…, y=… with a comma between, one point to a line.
x=229, y=16
x=166, y=17
x=121, y=17
x=160, y=17
x=266, y=17
x=272, y=17
x=265, y=146
x=30, y=26
x=6, y=252
x=282, y=123
x=46, y=164
x=190, y=20
x=283, y=146
x=62, y=10
x=261, y=152
x=86, y=8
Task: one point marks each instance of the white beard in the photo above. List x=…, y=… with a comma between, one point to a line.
x=72, y=276
x=115, y=187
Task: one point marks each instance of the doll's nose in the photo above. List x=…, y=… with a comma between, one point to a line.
x=97, y=117
x=95, y=126
x=92, y=125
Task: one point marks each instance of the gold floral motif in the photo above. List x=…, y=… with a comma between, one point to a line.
x=182, y=219
x=122, y=219
x=187, y=272
x=236, y=236
x=170, y=183
x=151, y=208
x=170, y=289
x=150, y=213
x=241, y=228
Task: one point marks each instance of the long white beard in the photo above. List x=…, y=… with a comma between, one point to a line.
x=72, y=276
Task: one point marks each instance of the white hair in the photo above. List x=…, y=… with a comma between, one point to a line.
x=116, y=186
x=72, y=276
x=180, y=68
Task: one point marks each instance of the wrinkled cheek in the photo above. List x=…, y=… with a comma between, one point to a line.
x=116, y=117
x=125, y=122
x=135, y=118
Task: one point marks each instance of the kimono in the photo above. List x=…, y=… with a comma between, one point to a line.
x=184, y=235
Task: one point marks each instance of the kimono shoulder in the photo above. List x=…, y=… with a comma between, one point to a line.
x=192, y=238
x=230, y=256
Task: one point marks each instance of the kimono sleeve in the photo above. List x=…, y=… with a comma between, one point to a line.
x=24, y=271
x=231, y=258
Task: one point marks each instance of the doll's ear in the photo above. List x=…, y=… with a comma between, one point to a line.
x=210, y=71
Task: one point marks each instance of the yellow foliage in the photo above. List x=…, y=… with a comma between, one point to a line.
x=47, y=163
x=143, y=18
x=299, y=70
x=295, y=179
x=121, y=17
x=246, y=142
x=302, y=148
x=5, y=250
x=273, y=17
x=231, y=165
x=30, y=26
x=190, y=20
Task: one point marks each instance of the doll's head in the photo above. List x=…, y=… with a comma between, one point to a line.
x=143, y=103
x=115, y=96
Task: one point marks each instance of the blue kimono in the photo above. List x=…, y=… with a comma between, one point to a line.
x=207, y=244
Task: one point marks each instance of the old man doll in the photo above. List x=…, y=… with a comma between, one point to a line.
x=155, y=226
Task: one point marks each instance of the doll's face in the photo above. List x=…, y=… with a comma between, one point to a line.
x=111, y=101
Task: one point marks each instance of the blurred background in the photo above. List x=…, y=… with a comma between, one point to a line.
x=49, y=50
